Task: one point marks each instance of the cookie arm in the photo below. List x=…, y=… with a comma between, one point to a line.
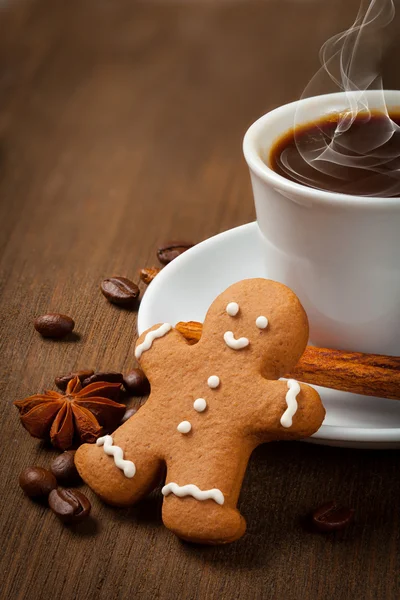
x=287, y=410
x=125, y=466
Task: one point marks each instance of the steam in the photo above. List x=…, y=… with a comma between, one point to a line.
x=351, y=61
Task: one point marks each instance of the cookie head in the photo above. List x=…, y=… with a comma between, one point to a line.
x=261, y=320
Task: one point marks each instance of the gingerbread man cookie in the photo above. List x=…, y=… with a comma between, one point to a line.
x=211, y=404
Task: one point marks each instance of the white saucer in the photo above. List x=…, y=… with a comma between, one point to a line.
x=185, y=288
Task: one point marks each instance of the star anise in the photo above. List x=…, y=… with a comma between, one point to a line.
x=80, y=415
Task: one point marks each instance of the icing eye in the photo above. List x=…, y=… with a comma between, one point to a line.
x=232, y=309
x=262, y=322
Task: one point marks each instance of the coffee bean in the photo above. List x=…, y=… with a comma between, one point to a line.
x=107, y=376
x=332, y=517
x=63, y=381
x=37, y=482
x=128, y=414
x=54, y=325
x=120, y=290
x=64, y=469
x=70, y=506
x=168, y=251
x=136, y=383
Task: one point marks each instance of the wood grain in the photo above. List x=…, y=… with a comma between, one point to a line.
x=120, y=126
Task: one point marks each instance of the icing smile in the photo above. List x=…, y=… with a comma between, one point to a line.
x=235, y=344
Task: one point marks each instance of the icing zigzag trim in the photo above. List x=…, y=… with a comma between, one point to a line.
x=127, y=466
x=192, y=490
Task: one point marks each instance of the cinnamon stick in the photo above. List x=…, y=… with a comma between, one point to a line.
x=366, y=374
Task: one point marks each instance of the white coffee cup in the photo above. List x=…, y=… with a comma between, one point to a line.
x=339, y=253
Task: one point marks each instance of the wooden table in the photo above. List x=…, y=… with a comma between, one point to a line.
x=120, y=126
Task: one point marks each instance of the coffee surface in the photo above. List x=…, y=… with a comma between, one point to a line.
x=350, y=155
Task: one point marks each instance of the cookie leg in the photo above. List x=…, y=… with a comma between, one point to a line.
x=106, y=479
x=204, y=522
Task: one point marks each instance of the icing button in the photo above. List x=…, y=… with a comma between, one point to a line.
x=213, y=381
x=200, y=405
x=184, y=427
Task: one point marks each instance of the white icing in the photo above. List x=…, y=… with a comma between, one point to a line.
x=232, y=309
x=292, y=406
x=262, y=322
x=193, y=490
x=200, y=404
x=213, y=381
x=150, y=337
x=184, y=427
x=233, y=343
x=127, y=466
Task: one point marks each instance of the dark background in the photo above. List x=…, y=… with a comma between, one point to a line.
x=120, y=126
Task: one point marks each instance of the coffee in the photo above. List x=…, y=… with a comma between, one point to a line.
x=64, y=469
x=332, y=517
x=120, y=290
x=350, y=155
x=37, y=482
x=54, y=325
x=70, y=506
